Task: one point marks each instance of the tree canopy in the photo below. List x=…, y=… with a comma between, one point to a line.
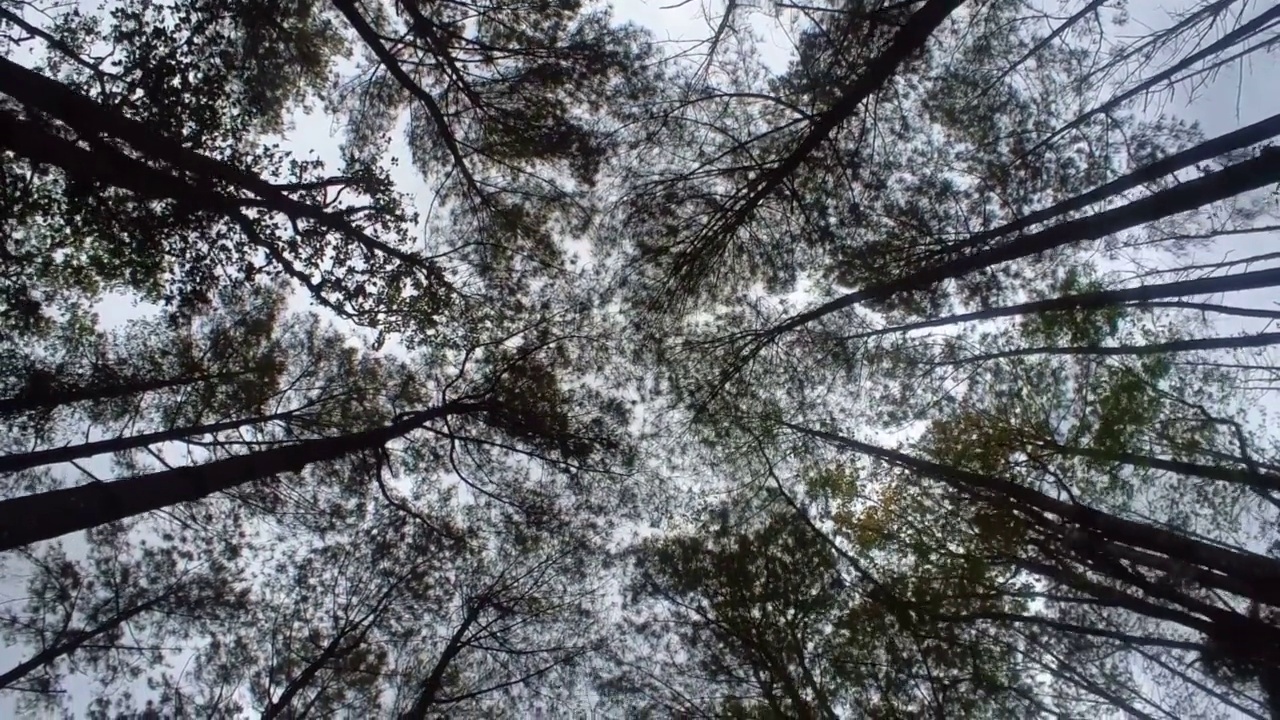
x=547, y=358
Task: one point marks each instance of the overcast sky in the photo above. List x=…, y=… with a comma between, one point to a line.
x=1240, y=95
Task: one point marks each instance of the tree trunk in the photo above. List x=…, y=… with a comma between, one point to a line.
x=37, y=458
x=908, y=41
x=1174, y=346
x=334, y=650
x=1240, y=178
x=1228, y=40
x=34, y=399
x=1207, y=150
x=68, y=646
x=48, y=515
x=1259, y=572
x=1108, y=298
x=431, y=685
x=93, y=119
x=1258, y=481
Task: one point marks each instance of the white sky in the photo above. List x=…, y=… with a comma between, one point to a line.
x=1239, y=96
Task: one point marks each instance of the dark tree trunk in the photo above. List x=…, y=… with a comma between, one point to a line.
x=906, y=43
x=333, y=651
x=431, y=685
x=1108, y=298
x=1207, y=150
x=24, y=461
x=34, y=398
x=1174, y=346
x=92, y=119
x=342, y=645
x=1257, y=24
x=1237, y=179
x=48, y=515
x=1258, y=481
x=75, y=642
x=1259, y=573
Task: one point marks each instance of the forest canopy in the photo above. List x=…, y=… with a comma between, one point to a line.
x=552, y=358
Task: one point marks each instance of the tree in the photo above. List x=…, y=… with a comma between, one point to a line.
x=767, y=616
x=968, y=299
x=392, y=617
x=1092, y=473
x=113, y=614
x=172, y=204
x=887, y=375
x=511, y=108
x=515, y=394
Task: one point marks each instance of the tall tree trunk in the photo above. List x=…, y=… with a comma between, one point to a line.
x=431, y=685
x=37, y=458
x=1259, y=572
x=333, y=651
x=1207, y=150
x=47, y=515
x=1108, y=298
x=1173, y=346
x=1209, y=308
x=35, y=398
x=1255, y=25
x=93, y=119
x=1258, y=481
x=75, y=642
x=906, y=42
x=1228, y=182
x=107, y=165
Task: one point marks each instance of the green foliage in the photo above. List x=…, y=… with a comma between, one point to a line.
x=1076, y=327
x=772, y=616
x=866, y=378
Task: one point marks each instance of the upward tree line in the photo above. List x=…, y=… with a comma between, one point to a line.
x=910, y=377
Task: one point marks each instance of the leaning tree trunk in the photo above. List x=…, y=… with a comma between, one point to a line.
x=1141, y=297
x=47, y=515
x=1258, y=573
x=1228, y=182
x=1209, y=149
x=34, y=397
x=17, y=462
x=74, y=642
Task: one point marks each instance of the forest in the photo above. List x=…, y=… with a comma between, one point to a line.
x=669, y=359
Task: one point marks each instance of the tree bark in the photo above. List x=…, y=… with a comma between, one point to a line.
x=23, y=461
x=1240, y=178
x=1108, y=298
x=1257, y=481
x=48, y=515
x=1205, y=151
x=908, y=41
x=334, y=650
x=1259, y=572
x=53, y=397
x=68, y=646
x=93, y=119
x=431, y=685
x=1173, y=346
